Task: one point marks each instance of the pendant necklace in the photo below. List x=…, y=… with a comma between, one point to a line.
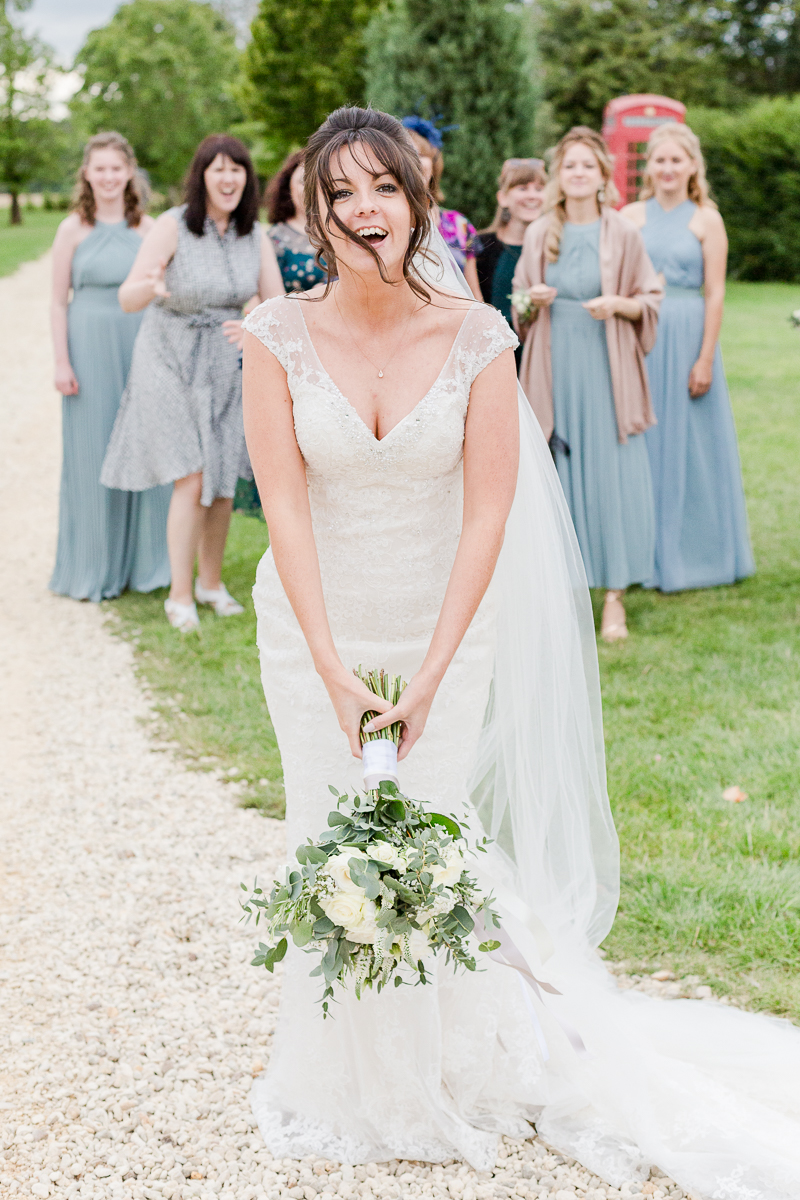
x=380, y=370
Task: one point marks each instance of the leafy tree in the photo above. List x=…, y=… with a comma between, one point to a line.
x=162, y=72
x=305, y=58
x=593, y=50
x=464, y=64
x=26, y=132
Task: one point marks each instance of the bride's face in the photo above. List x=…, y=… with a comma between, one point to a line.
x=370, y=202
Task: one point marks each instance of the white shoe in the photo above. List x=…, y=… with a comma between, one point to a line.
x=221, y=600
x=182, y=616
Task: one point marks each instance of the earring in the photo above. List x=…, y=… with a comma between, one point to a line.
x=505, y=215
x=601, y=195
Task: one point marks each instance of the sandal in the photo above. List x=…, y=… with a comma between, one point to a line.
x=182, y=617
x=613, y=631
x=220, y=598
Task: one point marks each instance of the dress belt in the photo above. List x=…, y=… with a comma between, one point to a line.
x=674, y=290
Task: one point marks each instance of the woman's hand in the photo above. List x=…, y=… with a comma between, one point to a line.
x=234, y=333
x=541, y=295
x=602, y=307
x=65, y=381
x=351, y=699
x=700, y=378
x=155, y=279
x=412, y=709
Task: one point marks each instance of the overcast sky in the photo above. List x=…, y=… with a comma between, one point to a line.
x=64, y=24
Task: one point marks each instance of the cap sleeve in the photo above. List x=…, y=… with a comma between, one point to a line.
x=487, y=334
x=275, y=328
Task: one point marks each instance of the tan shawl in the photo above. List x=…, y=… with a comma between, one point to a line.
x=625, y=270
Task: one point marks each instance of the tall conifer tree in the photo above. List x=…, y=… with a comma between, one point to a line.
x=462, y=63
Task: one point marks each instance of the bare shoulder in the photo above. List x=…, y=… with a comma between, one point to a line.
x=708, y=219
x=636, y=213
x=71, y=231
x=146, y=223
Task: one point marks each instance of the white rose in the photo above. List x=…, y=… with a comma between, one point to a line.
x=418, y=944
x=385, y=852
x=337, y=868
x=366, y=929
x=451, y=871
x=344, y=908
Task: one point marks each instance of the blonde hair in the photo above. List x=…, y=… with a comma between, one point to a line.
x=135, y=196
x=515, y=172
x=426, y=148
x=554, y=198
x=687, y=139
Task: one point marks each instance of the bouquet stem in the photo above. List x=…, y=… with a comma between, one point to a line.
x=389, y=687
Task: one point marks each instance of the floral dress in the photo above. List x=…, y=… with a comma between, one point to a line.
x=459, y=234
x=295, y=256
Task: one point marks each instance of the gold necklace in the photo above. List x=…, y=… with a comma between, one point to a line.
x=380, y=370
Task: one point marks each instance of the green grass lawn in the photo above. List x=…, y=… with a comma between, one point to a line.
x=704, y=695
x=20, y=243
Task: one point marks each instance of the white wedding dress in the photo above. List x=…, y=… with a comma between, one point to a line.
x=708, y=1094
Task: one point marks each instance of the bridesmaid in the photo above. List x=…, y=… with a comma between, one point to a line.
x=595, y=301
x=454, y=227
x=180, y=419
x=107, y=540
x=287, y=216
x=701, y=521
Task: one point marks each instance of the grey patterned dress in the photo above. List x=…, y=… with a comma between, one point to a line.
x=182, y=408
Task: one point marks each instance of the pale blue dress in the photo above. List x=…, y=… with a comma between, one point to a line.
x=107, y=540
x=606, y=483
x=701, y=520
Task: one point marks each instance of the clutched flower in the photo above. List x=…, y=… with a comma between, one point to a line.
x=365, y=930
x=337, y=867
x=444, y=902
x=345, y=908
x=451, y=871
x=522, y=304
x=385, y=852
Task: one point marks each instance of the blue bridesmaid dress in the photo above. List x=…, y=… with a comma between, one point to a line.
x=606, y=482
x=702, y=538
x=108, y=540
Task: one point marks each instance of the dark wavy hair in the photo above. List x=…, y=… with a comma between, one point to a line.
x=388, y=142
x=245, y=214
x=278, y=196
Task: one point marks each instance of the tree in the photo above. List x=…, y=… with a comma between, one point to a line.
x=305, y=58
x=593, y=50
x=162, y=73
x=26, y=132
x=464, y=64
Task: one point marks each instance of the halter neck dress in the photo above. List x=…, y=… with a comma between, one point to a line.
x=702, y=538
x=107, y=540
x=606, y=482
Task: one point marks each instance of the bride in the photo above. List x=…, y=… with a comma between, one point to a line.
x=417, y=524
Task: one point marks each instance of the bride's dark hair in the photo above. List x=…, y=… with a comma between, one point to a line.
x=389, y=143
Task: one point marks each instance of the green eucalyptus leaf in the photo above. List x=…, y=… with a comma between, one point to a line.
x=447, y=823
x=464, y=921
x=487, y=947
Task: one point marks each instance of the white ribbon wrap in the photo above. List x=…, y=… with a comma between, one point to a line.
x=379, y=762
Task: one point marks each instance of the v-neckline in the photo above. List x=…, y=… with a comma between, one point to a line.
x=379, y=441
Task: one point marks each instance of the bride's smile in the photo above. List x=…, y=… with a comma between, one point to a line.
x=370, y=204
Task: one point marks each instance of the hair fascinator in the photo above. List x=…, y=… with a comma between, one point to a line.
x=425, y=129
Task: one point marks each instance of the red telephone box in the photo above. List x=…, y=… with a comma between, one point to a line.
x=627, y=124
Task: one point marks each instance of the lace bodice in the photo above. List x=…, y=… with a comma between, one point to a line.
x=388, y=508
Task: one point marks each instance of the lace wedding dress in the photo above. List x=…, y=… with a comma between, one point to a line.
x=709, y=1095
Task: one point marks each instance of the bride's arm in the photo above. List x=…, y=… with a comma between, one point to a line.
x=491, y=455
x=281, y=478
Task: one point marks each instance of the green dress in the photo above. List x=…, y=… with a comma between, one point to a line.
x=107, y=540
x=607, y=484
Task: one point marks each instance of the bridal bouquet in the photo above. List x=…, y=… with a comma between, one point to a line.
x=381, y=891
x=523, y=305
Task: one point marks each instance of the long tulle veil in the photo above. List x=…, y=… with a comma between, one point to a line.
x=539, y=776
x=708, y=1094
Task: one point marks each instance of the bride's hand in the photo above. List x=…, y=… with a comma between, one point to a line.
x=351, y=699
x=412, y=709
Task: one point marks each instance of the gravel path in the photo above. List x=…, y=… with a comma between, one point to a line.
x=130, y=1022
